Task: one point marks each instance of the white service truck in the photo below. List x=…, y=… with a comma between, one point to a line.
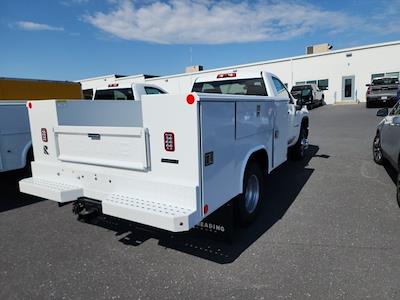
x=15, y=138
x=167, y=161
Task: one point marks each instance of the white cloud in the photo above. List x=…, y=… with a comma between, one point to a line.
x=32, y=26
x=218, y=22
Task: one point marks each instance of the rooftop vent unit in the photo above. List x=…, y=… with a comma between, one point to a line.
x=320, y=48
x=192, y=69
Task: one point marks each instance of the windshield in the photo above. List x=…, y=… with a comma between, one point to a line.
x=384, y=81
x=114, y=94
x=253, y=86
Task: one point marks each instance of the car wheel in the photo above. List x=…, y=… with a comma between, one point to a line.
x=368, y=104
x=398, y=189
x=297, y=151
x=377, y=150
x=249, y=202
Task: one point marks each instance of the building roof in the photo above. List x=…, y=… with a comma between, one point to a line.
x=36, y=80
x=305, y=56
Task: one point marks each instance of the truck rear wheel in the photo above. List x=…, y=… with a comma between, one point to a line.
x=249, y=202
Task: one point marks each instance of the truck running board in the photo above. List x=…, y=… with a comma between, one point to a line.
x=161, y=215
x=52, y=190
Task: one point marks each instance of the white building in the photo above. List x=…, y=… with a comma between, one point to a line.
x=344, y=72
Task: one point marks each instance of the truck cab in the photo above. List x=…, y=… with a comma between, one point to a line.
x=262, y=84
x=126, y=91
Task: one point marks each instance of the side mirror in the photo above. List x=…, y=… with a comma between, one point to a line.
x=383, y=112
x=368, y=84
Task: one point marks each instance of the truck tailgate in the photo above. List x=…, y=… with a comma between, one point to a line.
x=118, y=147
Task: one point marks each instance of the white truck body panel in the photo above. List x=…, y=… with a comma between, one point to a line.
x=125, y=165
x=14, y=136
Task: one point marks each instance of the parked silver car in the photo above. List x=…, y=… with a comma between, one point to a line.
x=386, y=146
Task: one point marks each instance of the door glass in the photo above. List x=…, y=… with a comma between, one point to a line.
x=348, y=87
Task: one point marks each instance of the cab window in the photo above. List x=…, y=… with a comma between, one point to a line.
x=251, y=86
x=114, y=94
x=153, y=91
x=280, y=88
x=396, y=110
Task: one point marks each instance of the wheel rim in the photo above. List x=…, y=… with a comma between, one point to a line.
x=252, y=194
x=303, y=143
x=377, y=149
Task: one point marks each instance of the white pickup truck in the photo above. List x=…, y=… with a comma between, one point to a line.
x=15, y=138
x=167, y=161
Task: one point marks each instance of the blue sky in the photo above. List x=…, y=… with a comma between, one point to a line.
x=74, y=39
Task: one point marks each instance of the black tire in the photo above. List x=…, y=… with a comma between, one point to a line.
x=398, y=189
x=377, y=150
x=297, y=151
x=249, y=202
x=368, y=104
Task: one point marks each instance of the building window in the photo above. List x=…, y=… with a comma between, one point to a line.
x=300, y=82
x=377, y=75
x=323, y=84
x=393, y=74
x=312, y=82
x=388, y=74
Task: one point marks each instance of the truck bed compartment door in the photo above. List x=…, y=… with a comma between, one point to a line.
x=218, y=153
x=117, y=147
x=281, y=133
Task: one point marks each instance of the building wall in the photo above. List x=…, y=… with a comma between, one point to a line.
x=359, y=62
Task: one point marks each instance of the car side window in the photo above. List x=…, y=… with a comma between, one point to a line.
x=281, y=89
x=396, y=110
x=153, y=91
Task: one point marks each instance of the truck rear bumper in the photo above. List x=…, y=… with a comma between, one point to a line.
x=162, y=215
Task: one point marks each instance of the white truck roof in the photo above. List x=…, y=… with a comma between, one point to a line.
x=231, y=75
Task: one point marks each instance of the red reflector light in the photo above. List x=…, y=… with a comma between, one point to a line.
x=205, y=209
x=190, y=99
x=226, y=75
x=113, y=85
x=44, y=135
x=30, y=105
x=169, y=141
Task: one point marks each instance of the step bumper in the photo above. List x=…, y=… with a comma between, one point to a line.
x=150, y=212
x=161, y=215
x=52, y=190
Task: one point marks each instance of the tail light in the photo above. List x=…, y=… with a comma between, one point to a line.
x=369, y=90
x=169, y=141
x=226, y=75
x=44, y=135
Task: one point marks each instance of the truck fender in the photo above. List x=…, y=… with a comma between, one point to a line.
x=24, y=154
x=246, y=160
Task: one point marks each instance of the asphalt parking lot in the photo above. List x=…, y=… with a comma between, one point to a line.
x=330, y=230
